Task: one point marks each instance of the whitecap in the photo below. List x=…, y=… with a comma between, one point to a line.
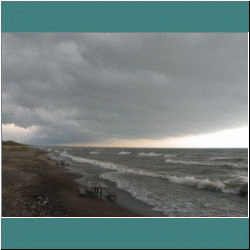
x=94, y=153
x=149, y=154
x=124, y=153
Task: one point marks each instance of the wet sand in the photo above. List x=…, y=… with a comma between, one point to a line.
x=33, y=186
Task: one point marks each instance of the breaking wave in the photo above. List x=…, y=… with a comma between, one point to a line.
x=94, y=153
x=155, y=200
x=202, y=184
x=110, y=166
x=124, y=153
x=149, y=154
x=223, y=164
x=216, y=158
x=206, y=184
x=137, y=192
x=168, y=156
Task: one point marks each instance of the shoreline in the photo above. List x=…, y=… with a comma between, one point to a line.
x=38, y=183
x=124, y=199
x=33, y=186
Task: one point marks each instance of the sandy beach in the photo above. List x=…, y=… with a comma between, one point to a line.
x=33, y=186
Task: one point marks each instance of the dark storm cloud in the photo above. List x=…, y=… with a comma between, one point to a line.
x=84, y=87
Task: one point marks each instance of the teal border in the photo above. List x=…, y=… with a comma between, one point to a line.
x=107, y=233
x=25, y=233
x=124, y=16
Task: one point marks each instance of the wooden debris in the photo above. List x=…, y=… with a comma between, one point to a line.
x=82, y=191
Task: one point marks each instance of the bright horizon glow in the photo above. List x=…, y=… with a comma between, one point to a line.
x=230, y=138
x=13, y=132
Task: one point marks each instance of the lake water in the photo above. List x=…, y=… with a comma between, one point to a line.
x=173, y=182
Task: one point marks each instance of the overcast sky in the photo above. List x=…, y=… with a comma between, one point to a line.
x=88, y=88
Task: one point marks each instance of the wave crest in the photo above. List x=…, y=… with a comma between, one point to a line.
x=149, y=154
x=206, y=184
x=124, y=153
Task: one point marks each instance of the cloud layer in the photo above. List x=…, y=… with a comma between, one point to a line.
x=89, y=87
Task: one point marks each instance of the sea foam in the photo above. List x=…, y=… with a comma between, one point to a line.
x=206, y=184
x=124, y=153
x=223, y=164
x=94, y=153
x=149, y=154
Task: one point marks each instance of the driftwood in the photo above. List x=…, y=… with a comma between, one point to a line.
x=111, y=197
x=82, y=191
x=94, y=189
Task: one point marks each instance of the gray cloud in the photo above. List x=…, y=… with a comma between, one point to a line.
x=84, y=87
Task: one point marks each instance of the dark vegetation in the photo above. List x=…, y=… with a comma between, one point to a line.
x=11, y=143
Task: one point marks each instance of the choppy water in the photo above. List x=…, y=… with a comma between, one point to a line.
x=177, y=182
